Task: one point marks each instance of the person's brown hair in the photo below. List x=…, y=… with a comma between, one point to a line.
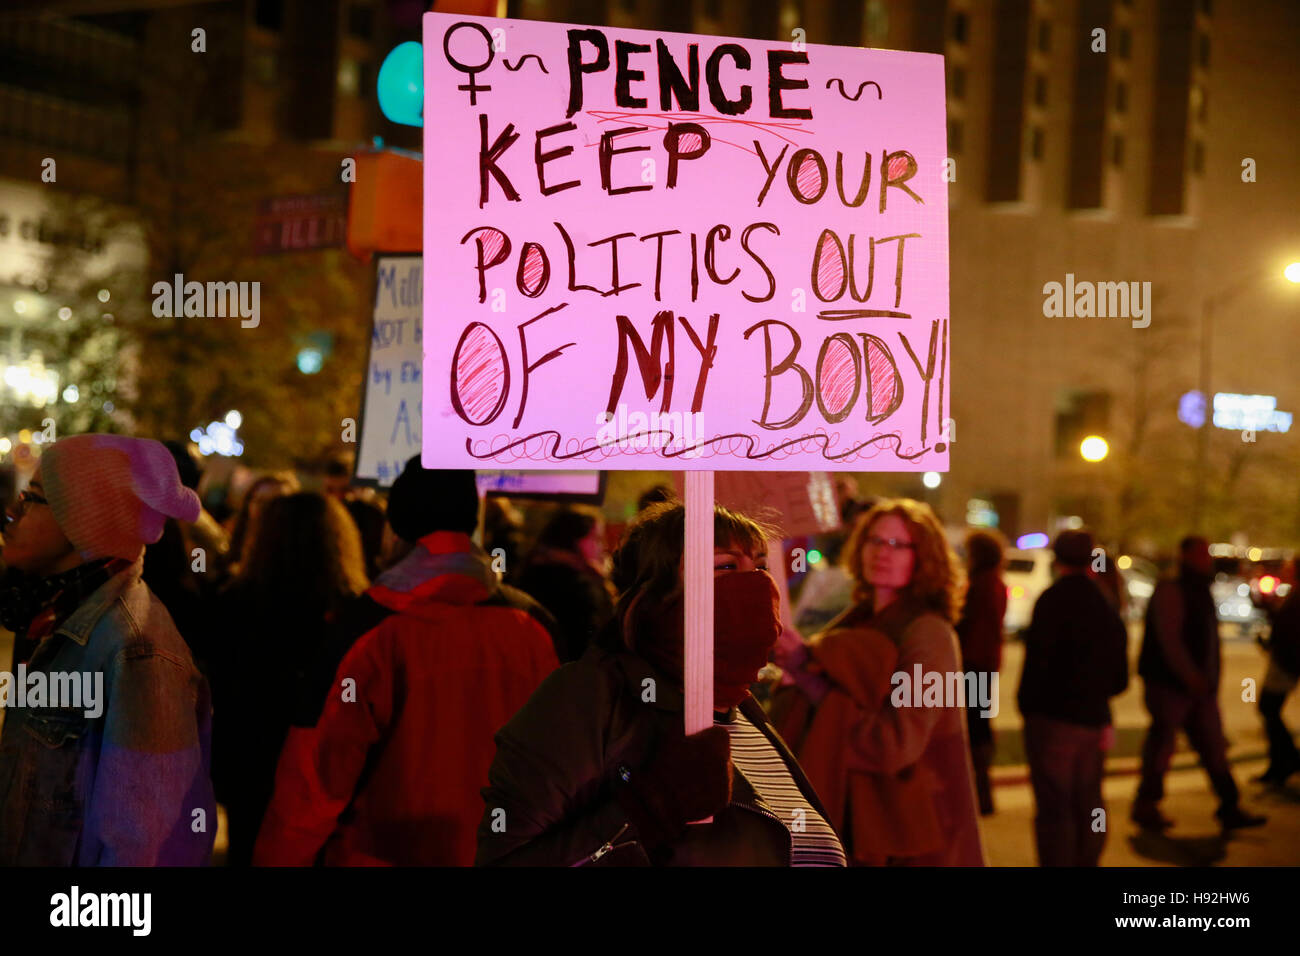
x=938, y=581
x=245, y=529
x=647, y=562
x=307, y=548
x=984, y=549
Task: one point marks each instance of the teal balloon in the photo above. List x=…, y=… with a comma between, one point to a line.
x=401, y=84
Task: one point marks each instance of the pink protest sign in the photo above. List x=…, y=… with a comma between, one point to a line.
x=657, y=250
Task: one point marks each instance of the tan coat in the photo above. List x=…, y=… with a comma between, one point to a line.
x=897, y=781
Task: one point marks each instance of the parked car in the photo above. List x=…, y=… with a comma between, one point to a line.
x=1027, y=574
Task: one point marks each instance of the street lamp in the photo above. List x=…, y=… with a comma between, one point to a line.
x=1094, y=448
x=1292, y=273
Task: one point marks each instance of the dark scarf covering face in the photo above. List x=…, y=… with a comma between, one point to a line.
x=27, y=600
x=746, y=624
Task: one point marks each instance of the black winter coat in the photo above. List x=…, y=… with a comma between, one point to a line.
x=1076, y=654
x=559, y=759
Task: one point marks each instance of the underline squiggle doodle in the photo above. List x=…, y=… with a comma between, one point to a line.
x=854, y=98
x=520, y=62
x=752, y=452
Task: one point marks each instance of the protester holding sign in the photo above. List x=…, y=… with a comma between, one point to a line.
x=596, y=768
x=895, y=766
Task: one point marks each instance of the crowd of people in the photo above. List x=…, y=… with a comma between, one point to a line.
x=360, y=682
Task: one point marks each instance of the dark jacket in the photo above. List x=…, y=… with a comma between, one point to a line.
x=979, y=632
x=550, y=799
x=1284, y=642
x=1181, y=638
x=260, y=675
x=1076, y=654
x=575, y=594
x=128, y=786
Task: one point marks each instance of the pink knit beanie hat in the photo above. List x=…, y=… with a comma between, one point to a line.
x=111, y=495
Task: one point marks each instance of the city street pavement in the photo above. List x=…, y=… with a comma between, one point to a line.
x=1195, y=839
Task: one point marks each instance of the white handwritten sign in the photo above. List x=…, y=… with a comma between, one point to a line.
x=390, y=411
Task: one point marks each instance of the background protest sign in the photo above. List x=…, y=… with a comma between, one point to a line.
x=577, y=487
x=391, y=405
x=659, y=250
x=390, y=410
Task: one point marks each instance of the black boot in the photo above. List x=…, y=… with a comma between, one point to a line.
x=1235, y=818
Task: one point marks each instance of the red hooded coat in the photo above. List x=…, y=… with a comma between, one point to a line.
x=391, y=773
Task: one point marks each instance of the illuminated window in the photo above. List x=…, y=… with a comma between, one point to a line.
x=349, y=77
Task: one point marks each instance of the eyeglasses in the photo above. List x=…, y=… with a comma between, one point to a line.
x=894, y=544
x=26, y=499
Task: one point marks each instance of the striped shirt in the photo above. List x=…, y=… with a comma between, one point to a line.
x=813, y=841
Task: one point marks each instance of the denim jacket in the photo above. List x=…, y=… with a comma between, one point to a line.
x=128, y=786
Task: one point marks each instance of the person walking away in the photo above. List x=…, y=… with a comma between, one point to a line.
x=116, y=775
x=391, y=771
x=243, y=524
x=1076, y=659
x=1180, y=664
x=1279, y=681
x=1107, y=576
x=979, y=633
x=304, y=569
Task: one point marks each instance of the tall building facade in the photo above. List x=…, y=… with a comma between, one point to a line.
x=1101, y=141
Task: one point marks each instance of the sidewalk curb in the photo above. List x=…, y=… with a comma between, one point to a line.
x=1018, y=775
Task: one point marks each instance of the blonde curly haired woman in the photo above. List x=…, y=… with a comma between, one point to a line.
x=896, y=778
